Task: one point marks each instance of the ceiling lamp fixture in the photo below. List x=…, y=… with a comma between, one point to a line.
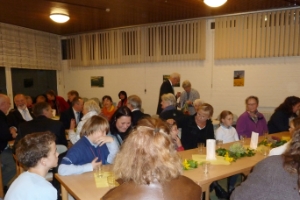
x=59, y=18
x=214, y=3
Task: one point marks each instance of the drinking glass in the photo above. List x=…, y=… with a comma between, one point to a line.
x=266, y=134
x=205, y=167
x=242, y=139
x=98, y=171
x=265, y=150
x=201, y=147
x=111, y=180
x=219, y=143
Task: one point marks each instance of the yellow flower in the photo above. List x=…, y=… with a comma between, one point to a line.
x=186, y=165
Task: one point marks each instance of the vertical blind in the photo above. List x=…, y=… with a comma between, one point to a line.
x=154, y=43
x=26, y=48
x=258, y=35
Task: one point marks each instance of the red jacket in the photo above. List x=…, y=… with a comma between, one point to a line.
x=59, y=104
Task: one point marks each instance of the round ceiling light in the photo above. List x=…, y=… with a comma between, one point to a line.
x=214, y=3
x=59, y=18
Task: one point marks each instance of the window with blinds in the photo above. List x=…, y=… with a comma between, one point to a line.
x=258, y=35
x=26, y=48
x=165, y=42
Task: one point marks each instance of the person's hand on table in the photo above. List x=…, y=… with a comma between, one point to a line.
x=96, y=164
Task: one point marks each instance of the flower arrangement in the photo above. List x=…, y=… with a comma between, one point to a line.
x=235, y=152
x=185, y=109
x=189, y=164
x=272, y=142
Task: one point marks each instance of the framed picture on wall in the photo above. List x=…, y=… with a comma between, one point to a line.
x=239, y=78
x=166, y=77
x=97, y=81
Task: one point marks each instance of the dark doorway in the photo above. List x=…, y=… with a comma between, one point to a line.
x=2, y=81
x=33, y=82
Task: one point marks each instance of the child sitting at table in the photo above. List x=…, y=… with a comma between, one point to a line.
x=227, y=134
x=226, y=131
x=174, y=136
x=90, y=151
x=37, y=153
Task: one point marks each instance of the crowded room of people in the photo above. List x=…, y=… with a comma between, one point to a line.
x=154, y=100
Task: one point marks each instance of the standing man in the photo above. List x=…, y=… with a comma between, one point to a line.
x=188, y=96
x=19, y=115
x=167, y=87
x=134, y=103
x=7, y=162
x=74, y=112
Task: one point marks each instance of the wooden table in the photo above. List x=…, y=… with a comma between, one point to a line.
x=83, y=186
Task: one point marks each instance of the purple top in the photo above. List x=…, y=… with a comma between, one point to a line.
x=245, y=125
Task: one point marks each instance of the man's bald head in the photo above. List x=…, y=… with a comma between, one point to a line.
x=4, y=103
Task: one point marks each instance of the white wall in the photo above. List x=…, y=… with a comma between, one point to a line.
x=271, y=79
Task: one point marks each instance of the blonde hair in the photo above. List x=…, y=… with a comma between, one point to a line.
x=207, y=108
x=148, y=154
x=93, y=124
x=169, y=98
x=91, y=105
x=186, y=84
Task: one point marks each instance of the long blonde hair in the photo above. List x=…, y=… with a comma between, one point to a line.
x=148, y=154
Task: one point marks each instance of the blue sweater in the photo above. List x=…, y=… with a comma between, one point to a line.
x=84, y=152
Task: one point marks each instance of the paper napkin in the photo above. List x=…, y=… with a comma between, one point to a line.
x=254, y=140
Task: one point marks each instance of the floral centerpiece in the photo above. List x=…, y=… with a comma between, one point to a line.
x=185, y=109
x=235, y=152
x=189, y=164
x=272, y=142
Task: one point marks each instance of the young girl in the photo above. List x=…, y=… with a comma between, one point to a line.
x=174, y=136
x=36, y=152
x=90, y=151
x=226, y=132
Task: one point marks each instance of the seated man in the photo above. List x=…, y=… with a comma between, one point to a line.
x=8, y=165
x=19, y=115
x=41, y=123
x=71, y=96
x=74, y=112
x=134, y=103
x=37, y=153
x=90, y=152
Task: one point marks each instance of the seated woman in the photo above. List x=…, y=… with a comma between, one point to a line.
x=294, y=126
x=90, y=109
x=89, y=152
x=123, y=99
x=197, y=128
x=120, y=124
x=197, y=103
x=276, y=177
x=168, y=104
x=251, y=119
x=150, y=167
x=37, y=153
x=286, y=111
x=108, y=108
